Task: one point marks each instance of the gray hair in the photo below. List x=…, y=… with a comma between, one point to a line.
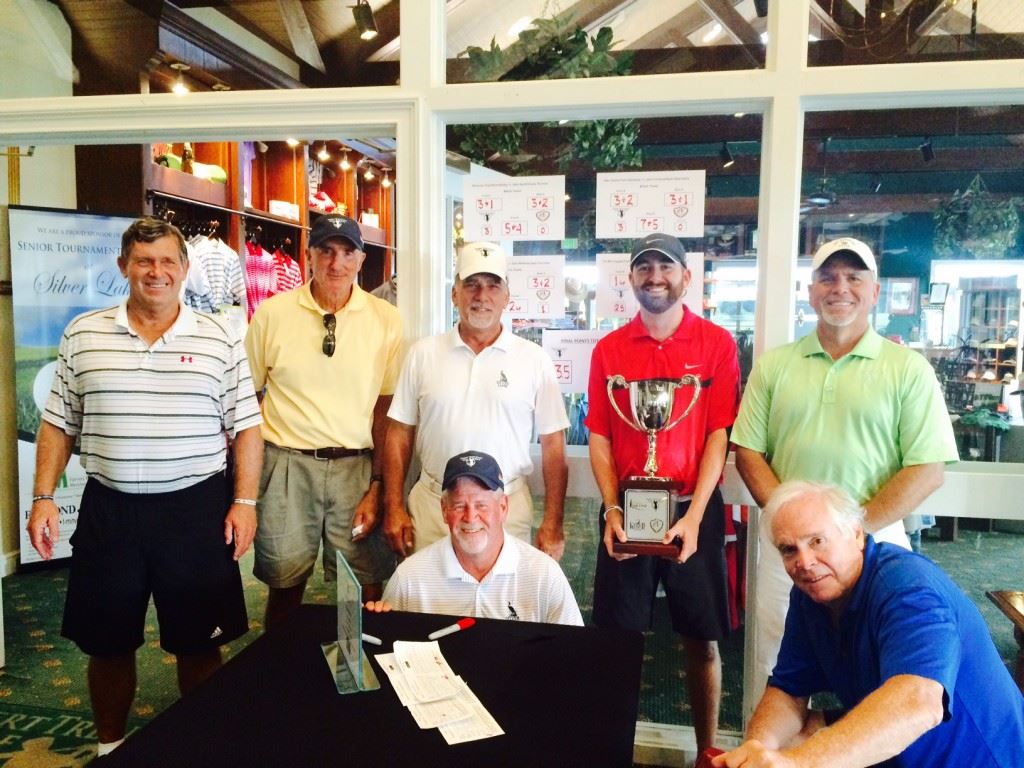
x=844, y=510
x=149, y=229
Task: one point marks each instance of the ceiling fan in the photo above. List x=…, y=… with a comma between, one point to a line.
x=823, y=196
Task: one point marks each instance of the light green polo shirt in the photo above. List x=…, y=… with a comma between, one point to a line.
x=852, y=422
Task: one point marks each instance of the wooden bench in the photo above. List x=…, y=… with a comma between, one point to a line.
x=1011, y=603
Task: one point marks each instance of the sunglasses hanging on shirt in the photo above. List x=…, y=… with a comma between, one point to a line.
x=330, y=323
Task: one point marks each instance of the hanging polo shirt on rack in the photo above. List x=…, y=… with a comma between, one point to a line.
x=260, y=276
x=286, y=271
x=195, y=291
x=223, y=270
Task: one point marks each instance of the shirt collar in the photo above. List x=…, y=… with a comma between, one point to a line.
x=869, y=345
x=503, y=342
x=866, y=572
x=507, y=562
x=184, y=324
x=356, y=301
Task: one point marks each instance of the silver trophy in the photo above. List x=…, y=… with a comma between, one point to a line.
x=649, y=501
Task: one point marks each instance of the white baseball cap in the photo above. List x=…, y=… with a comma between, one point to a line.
x=475, y=258
x=845, y=245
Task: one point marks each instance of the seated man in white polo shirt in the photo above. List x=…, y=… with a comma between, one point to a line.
x=477, y=570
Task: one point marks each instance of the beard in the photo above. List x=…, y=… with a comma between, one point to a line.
x=656, y=305
x=474, y=543
x=836, y=319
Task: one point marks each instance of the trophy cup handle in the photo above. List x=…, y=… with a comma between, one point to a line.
x=687, y=379
x=618, y=381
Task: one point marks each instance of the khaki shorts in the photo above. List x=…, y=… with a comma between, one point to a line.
x=305, y=501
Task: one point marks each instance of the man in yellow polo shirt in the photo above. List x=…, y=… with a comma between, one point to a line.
x=841, y=406
x=325, y=358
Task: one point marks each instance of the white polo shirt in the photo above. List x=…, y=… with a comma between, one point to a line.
x=524, y=584
x=152, y=418
x=491, y=402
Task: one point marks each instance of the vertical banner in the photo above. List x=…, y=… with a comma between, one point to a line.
x=536, y=285
x=63, y=263
x=516, y=208
x=571, y=352
x=635, y=204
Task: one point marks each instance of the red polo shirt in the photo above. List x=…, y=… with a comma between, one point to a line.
x=696, y=347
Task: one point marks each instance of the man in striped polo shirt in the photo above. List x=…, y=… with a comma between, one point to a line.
x=155, y=392
x=478, y=569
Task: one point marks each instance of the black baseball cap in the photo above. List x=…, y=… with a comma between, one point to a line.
x=327, y=227
x=475, y=464
x=666, y=245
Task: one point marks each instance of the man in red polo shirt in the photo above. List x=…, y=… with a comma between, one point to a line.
x=666, y=340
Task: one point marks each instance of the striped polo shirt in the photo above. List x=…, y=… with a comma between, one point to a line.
x=154, y=418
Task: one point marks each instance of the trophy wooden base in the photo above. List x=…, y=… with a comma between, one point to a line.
x=653, y=548
x=649, y=507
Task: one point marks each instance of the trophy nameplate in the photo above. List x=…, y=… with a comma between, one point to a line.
x=649, y=502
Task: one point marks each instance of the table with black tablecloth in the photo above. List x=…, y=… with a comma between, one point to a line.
x=563, y=696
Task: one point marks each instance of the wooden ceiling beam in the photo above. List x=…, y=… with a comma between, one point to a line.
x=300, y=33
x=734, y=25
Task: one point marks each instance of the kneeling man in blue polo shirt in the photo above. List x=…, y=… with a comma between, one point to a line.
x=906, y=652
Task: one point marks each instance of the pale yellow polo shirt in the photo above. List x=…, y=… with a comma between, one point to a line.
x=315, y=401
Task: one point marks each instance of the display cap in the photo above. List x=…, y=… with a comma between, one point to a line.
x=475, y=464
x=845, y=245
x=327, y=227
x=666, y=245
x=476, y=258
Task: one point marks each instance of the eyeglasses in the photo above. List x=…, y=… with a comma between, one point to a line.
x=330, y=323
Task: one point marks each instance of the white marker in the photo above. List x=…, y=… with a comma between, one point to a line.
x=371, y=639
x=451, y=629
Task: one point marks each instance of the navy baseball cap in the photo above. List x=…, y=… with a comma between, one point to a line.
x=475, y=464
x=326, y=227
x=666, y=245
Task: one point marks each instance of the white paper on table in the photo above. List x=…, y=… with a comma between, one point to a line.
x=437, y=713
x=431, y=687
x=480, y=725
x=389, y=664
x=425, y=670
x=421, y=658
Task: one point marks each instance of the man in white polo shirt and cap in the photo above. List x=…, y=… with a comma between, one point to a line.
x=477, y=386
x=476, y=570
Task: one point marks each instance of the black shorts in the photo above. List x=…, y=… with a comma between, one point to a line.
x=171, y=545
x=697, y=590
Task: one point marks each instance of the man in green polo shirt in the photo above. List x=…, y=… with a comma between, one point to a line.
x=842, y=406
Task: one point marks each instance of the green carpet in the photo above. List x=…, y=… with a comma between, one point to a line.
x=45, y=718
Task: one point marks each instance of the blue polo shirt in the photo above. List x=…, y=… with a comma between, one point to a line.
x=906, y=617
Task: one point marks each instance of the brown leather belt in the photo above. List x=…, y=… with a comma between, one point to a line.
x=325, y=454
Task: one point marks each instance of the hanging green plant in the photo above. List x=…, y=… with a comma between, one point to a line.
x=975, y=224
x=488, y=142
x=551, y=49
x=607, y=145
